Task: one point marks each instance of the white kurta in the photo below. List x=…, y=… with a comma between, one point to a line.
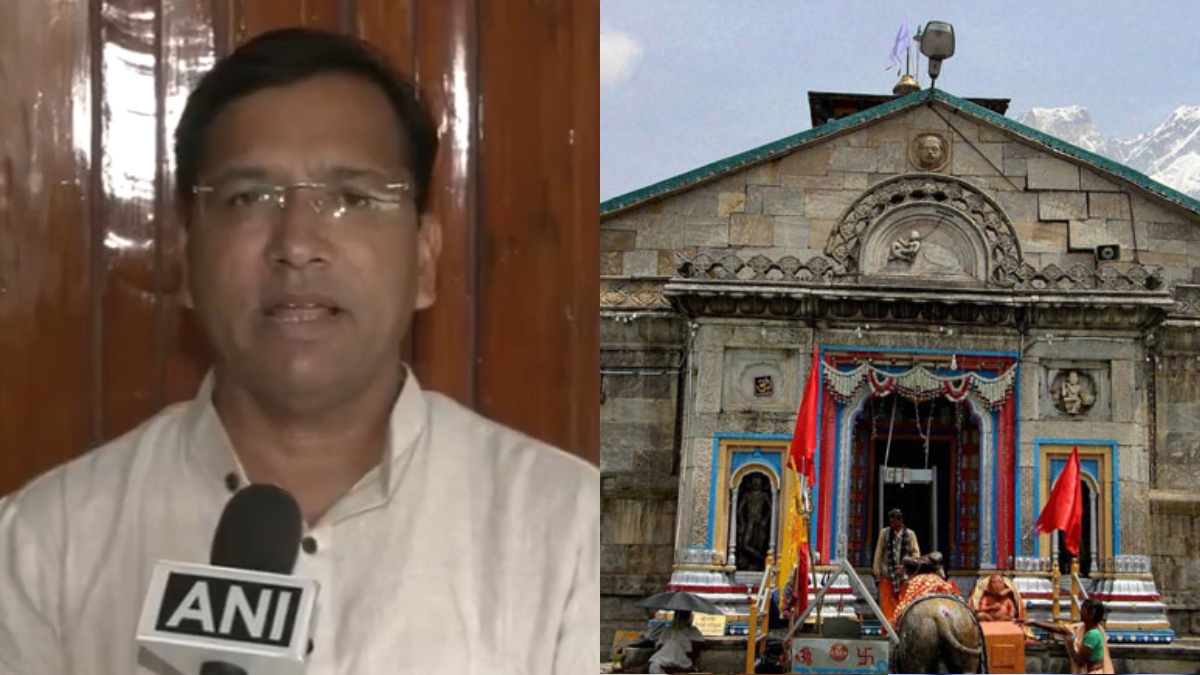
x=471, y=549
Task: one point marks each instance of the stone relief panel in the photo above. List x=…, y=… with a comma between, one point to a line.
x=759, y=379
x=949, y=198
x=929, y=151
x=1077, y=391
x=929, y=242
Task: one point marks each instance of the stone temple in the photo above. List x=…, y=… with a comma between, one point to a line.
x=983, y=298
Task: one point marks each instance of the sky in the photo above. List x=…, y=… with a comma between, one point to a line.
x=687, y=82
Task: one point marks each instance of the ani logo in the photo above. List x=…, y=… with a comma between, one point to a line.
x=838, y=652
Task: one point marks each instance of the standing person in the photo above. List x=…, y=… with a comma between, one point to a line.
x=1087, y=644
x=896, y=542
x=441, y=541
x=1085, y=641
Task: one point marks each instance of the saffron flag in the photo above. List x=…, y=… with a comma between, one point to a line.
x=899, y=46
x=803, y=448
x=1064, y=508
x=801, y=472
x=793, y=556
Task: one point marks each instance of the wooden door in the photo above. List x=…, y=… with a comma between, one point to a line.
x=92, y=338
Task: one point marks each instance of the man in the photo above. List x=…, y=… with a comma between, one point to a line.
x=677, y=646
x=896, y=542
x=442, y=542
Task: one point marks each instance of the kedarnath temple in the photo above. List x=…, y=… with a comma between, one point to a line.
x=983, y=299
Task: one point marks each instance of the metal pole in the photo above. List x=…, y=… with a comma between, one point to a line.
x=752, y=641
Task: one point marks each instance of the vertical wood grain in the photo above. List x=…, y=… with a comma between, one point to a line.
x=45, y=155
x=124, y=233
x=539, y=255
x=445, y=336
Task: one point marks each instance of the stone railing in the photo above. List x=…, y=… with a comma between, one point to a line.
x=1132, y=277
x=817, y=269
x=632, y=294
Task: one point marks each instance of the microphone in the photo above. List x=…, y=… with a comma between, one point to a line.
x=244, y=612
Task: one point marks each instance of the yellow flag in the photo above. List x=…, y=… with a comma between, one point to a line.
x=795, y=537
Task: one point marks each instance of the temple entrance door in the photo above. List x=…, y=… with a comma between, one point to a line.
x=923, y=458
x=1087, y=539
x=915, y=492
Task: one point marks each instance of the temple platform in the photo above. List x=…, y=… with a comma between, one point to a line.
x=728, y=655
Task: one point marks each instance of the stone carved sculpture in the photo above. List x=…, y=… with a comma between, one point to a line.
x=906, y=250
x=929, y=152
x=753, y=523
x=979, y=213
x=1074, y=394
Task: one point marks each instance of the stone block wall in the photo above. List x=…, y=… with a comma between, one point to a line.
x=1175, y=467
x=788, y=206
x=640, y=360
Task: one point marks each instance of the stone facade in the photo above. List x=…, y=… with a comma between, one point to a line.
x=857, y=239
x=641, y=362
x=1175, y=473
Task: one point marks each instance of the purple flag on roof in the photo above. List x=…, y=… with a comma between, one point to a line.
x=899, y=46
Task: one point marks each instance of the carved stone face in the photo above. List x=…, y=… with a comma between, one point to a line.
x=930, y=152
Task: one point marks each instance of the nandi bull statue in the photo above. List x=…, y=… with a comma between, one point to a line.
x=937, y=631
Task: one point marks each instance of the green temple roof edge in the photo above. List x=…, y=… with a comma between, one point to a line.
x=754, y=156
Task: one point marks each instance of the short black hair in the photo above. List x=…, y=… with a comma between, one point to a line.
x=1097, y=607
x=896, y=513
x=287, y=56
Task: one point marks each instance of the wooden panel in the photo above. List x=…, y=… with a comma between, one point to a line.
x=251, y=17
x=539, y=256
x=187, y=45
x=124, y=232
x=445, y=335
x=390, y=25
x=45, y=144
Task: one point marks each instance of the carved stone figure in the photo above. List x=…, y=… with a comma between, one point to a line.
x=753, y=523
x=997, y=602
x=929, y=152
x=938, y=634
x=1074, y=394
x=906, y=249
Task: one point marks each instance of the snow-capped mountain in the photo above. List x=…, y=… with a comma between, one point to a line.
x=1170, y=154
x=1073, y=124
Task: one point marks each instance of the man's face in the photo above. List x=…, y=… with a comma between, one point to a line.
x=895, y=523
x=300, y=304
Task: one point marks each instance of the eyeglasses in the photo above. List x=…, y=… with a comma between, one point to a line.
x=241, y=202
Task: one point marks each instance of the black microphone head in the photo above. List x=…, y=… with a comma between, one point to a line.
x=259, y=530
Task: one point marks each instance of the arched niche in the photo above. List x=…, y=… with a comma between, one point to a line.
x=958, y=215
x=924, y=241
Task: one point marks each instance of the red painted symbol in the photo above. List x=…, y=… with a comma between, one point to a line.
x=804, y=656
x=838, y=652
x=865, y=657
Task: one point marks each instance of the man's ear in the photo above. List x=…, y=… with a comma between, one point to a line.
x=429, y=249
